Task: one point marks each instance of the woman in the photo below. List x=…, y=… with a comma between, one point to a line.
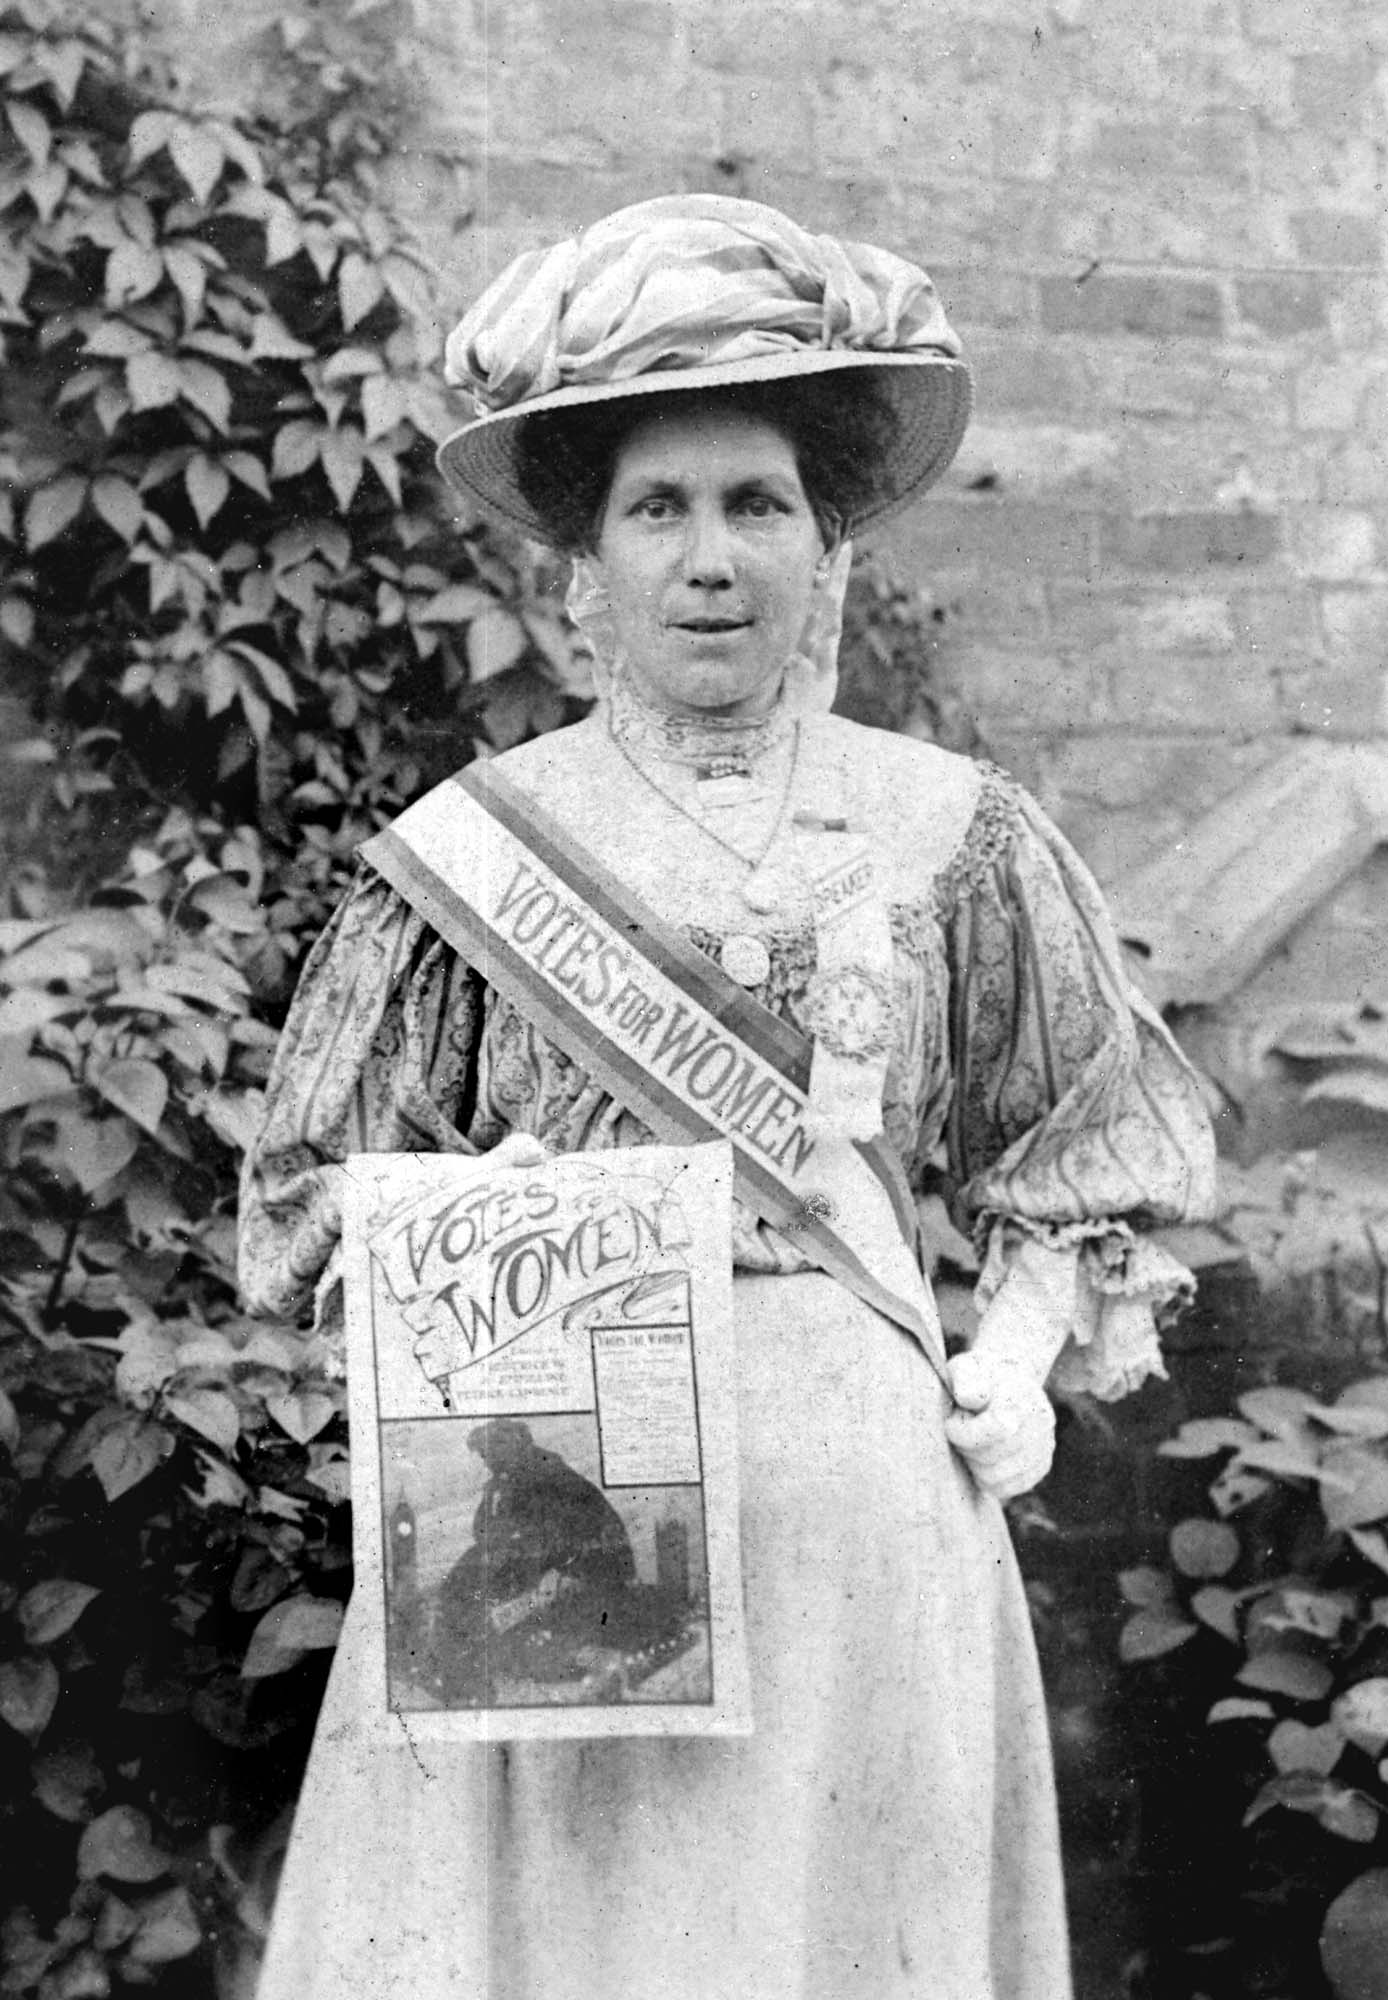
x=701, y=402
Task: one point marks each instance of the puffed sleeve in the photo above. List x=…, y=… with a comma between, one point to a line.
x=1075, y=1122
x=376, y=1056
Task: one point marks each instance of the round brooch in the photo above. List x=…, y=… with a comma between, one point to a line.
x=849, y=1012
x=746, y=959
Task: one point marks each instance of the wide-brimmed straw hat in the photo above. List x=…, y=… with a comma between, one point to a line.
x=701, y=292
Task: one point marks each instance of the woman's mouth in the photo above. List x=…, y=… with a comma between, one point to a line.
x=703, y=625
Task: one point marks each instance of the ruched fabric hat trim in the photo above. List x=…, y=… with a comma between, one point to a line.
x=700, y=292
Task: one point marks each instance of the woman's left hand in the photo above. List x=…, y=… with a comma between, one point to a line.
x=1002, y=1423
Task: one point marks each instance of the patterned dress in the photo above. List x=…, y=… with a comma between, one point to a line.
x=889, y=1829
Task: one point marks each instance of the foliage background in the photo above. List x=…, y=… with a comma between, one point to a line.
x=242, y=625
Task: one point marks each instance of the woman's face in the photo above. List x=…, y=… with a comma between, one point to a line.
x=707, y=547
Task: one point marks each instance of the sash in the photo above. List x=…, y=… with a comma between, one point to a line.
x=657, y=1024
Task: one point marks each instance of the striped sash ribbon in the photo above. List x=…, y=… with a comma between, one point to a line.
x=657, y=1024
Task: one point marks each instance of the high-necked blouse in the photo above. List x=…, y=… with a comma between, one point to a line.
x=1023, y=1068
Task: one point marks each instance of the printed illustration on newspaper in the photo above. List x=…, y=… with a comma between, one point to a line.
x=544, y=1448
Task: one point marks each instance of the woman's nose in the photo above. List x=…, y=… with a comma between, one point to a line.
x=708, y=549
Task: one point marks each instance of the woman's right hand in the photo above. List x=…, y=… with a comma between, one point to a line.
x=518, y=1149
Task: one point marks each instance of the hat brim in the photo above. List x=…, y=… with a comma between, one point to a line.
x=932, y=395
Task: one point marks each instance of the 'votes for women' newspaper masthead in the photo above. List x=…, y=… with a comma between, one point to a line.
x=543, y=1414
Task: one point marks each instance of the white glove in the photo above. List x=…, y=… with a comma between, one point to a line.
x=1003, y=1423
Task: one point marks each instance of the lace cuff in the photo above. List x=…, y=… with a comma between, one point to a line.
x=1125, y=1289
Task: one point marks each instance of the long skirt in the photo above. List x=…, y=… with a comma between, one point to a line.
x=889, y=1829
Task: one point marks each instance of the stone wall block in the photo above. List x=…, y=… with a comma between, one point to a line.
x=991, y=298
x=1033, y=688
x=1334, y=395
x=1356, y=624
x=1104, y=303
x=1052, y=379
x=1202, y=696
x=1142, y=380
x=1040, y=539
x=1180, y=222
x=1283, y=308
x=767, y=118
x=1032, y=461
x=1217, y=148
x=1347, y=704
x=1180, y=543
x=1329, y=237
x=1334, y=544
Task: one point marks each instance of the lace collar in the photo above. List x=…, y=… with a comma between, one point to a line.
x=714, y=745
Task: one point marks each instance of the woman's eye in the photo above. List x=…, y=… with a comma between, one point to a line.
x=760, y=506
x=655, y=507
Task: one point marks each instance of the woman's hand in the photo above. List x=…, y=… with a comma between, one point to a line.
x=518, y=1149
x=1003, y=1423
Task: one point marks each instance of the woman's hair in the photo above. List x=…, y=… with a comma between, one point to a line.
x=840, y=426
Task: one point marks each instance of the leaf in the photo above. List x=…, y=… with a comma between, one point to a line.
x=127, y=1453
x=133, y=271
x=1204, y=1436
x=1235, y=1709
x=457, y=605
x=1294, y=1747
x=51, y=509
x=1354, y=1940
x=1278, y=1411
x=1351, y=1814
x=1295, y=1675
x=168, y=1929
x=207, y=390
x=94, y=1150
x=296, y=448
x=383, y=404
x=359, y=287
x=1288, y=1458
x=208, y=484
x=152, y=379
x=210, y=1412
x=28, y=1693
x=1237, y=1488
x=1362, y=1713
x=246, y=467
x=148, y=134
x=1146, y=1586
x=1372, y=1544
x=219, y=1485
x=342, y=455
x=1149, y=1634
x=225, y=899
x=119, y=505
x=1219, y=1609
x=138, y=1088
x=197, y=153
x=119, y=1843
x=66, y=1781
x=271, y=340
x=1204, y=1548
x=1364, y=1497
x=50, y=1609
x=28, y=1079
x=495, y=641
x=302, y=1414
x=31, y=129
x=289, y=1629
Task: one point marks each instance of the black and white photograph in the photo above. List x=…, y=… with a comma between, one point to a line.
x=694, y=999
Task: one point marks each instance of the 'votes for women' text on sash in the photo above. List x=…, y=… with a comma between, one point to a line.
x=657, y=1024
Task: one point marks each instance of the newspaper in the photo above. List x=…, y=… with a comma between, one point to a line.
x=544, y=1452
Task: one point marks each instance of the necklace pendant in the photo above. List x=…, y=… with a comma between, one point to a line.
x=767, y=890
x=746, y=959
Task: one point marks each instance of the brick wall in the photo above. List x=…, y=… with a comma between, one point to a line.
x=1161, y=230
